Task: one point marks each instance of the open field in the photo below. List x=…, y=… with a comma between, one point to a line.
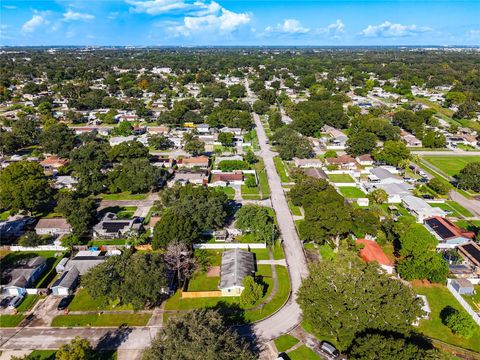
x=351, y=192
x=450, y=165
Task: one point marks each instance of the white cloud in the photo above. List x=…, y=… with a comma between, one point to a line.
x=337, y=26
x=71, y=15
x=388, y=29
x=156, y=7
x=9, y=7
x=113, y=15
x=473, y=34
x=289, y=26
x=32, y=24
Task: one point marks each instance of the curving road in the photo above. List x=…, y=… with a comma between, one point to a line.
x=289, y=316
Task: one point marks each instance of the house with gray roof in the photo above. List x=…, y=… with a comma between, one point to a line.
x=23, y=275
x=66, y=283
x=236, y=264
x=85, y=260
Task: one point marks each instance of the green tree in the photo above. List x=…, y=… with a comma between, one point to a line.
x=128, y=150
x=434, y=140
x=307, y=187
x=438, y=186
x=257, y=220
x=361, y=143
x=80, y=211
x=469, y=177
x=58, y=139
x=9, y=143
x=458, y=321
x=226, y=138
x=378, y=196
x=136, y=176
x=237, y=91
x=24, y=186
x=291, y=144
x=31, y=238
x=393, y=153
x=198, y=332
x=124, y=128
x=76, y=349
x=192, y=145
x=160, y=142
x=252, y=291
x=88, y=162
x=25, y=129
x=260, y=107
x=249, y=157
x=345, y=296
x=388, y=346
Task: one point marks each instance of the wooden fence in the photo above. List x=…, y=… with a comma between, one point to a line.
x=200, y=294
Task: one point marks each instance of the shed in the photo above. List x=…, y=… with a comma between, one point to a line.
x=463, y=286
x=66, y=283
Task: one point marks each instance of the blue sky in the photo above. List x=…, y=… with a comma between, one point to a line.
x=240, y=22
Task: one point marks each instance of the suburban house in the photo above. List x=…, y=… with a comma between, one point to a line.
x=371, y=251
x=410, y=140
x=384, y=176
x=54, y=226
x=23, y=275
x=470, y=252
x=344, y=162
x=110, y=227
x=13, y=229
x=420, y=208
x=53, y=163
x=201, y=162
x=85, y=260
x=234, y=131
x=203, y=128
x=236, y=264
x=365, y=160
x=66, y=283
x=65, y=182
x=227, y=178
x=395, y=191
x=447, y=232
x=158, y=130
x=336, y=139
x=159, y=161
x=316, y=173
x=308, y=163
x=197, y=177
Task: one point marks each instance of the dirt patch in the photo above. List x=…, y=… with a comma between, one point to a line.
x=213, y=271
x=424, y=283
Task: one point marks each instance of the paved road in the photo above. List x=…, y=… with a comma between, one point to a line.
x=289, y=316
x=471, y=205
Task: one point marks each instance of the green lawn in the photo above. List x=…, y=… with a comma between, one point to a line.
x=4, y=215
x=250, y=193
x=351, y=192
x=474, y=300
x=438, y=298
x=107, y=242
x=340, y=178
x=10, y=320
x=470, y=225
x=84, y=302
x=278, y=251
x=214, y=256
x=285, y=342
x=28, y=302
x=247, y=315
x=127, y=195
x=123, y=212
x=450, y=165
x=295, y=210
x=261, y=254
x=303, y=353
x=229, y=191
x=262, y=179
x=456, y=209
x=201, y=282
x=101, y=320
x=281, y=169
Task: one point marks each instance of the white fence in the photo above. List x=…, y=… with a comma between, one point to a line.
x=38, y=248
x=212, y=246
x=462, y=302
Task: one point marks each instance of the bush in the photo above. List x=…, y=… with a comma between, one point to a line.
x=250, y=181
x=458, y=321
x=252, y=291
x=438, y=186
x=31, y=238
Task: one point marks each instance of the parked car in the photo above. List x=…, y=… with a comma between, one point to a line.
x=423, y=180
x=15, y=302
x=329, y=349
x=62, y=305
x=5, y=301
x=428, y=196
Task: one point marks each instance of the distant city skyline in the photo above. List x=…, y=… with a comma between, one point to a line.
x=240, y=23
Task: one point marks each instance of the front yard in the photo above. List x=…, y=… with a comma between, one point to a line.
x=84, y=302
x=340, y=178
x=351, y=192
x=107, y=320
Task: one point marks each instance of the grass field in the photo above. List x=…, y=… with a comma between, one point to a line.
x=262, y=179
x=127, y=195
x=84, y=302
x=28, y=302
x=295, y=210
x=450, y=165
x=438, y=298
x=250, y=193
x=456, y=209
x=285, y=342
x=281, y=169
x=201, y=282
x=229, y=191
x=351, y=192
x=340, y=178
x=50, y=355
x=303, y=353
x=101, y=320
x=10, y=320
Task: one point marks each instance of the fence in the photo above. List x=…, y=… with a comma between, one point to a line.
x=38, y=248
x=230, y=246
x=464, y=304
x=200, y=294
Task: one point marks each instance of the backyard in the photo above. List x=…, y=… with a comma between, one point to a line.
x=438, y=298
x=340, y=178
x=351, y=192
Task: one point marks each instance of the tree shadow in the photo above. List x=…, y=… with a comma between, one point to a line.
x=232, y=314
x=113, y=339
